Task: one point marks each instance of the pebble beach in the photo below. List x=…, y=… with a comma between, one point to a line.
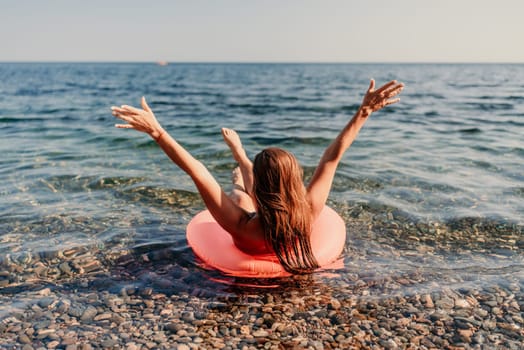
x=142, y=319
x=144, y=300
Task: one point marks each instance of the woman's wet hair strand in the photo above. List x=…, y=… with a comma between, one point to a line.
x=284, y=211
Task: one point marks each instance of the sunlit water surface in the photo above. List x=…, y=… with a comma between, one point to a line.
x=432, y=191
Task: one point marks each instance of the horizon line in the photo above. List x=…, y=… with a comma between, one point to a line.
x=167, y=62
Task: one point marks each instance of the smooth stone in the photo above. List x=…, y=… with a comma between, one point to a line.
x=465, y=335
x=68, y=340
x=89, y=313
x=461, y=324
x=427, y=343
x=223, y=330
x=321, y=314
x=445, y=303
x=42, y=325
x=117, y=319
x=104, y=316
x=24, y=339
x=182, y=333
x=489, y=325
x=188, y=316
x=481, y=313
x=172, y=327
x=44, y=332
x=439, y=315
x=469, y=320
x=65, y=268
x=428, y=301
x=490, y=303
x=63, y=306
x=245, y=330
x=334, y=304
x=478, y=338
x=496, y=311
x=109, y=343
x=4, y=283
x=131, y=346
x=53, y=344
x=76, y=311
x=45, y=302
x=462, y=304
x=388, y=344
x=464, y=313
x=260, y=333
x=301, y=315
x=44, y=292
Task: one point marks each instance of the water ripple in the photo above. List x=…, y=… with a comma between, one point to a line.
x=434, y=180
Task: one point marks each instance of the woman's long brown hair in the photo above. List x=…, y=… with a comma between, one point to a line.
x=284, y=211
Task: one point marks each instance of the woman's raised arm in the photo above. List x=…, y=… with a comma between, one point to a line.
x=374, y=100
x=224, y=210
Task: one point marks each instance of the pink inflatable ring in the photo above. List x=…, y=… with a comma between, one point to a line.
x=215, y=247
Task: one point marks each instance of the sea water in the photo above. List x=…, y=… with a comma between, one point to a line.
x=432, y=190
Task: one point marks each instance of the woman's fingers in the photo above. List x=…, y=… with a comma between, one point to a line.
x=131, y=109
x=390, y=102
x=384, y=87
x=383, y=96
x=119, y=115
x=139, y=119
x=123, y=116
x=394, y=91
x=371, y=85
x=115, y=109
x=145, y=106
x=127, y=113
x=124, y=126
x=121, y=111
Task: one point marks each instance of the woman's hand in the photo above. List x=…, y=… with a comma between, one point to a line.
x=139, y=119
x=375, y=100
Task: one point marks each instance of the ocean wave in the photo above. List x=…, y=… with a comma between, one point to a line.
x=488, y=107
x=470, y=131
x=515, y=97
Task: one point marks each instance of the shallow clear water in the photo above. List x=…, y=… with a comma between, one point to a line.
x=432, y=191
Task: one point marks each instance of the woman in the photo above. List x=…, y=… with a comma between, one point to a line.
x=270, y=209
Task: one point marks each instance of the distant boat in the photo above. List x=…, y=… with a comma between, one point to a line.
x=162, y=63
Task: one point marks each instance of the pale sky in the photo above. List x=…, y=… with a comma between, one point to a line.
x=263, y=30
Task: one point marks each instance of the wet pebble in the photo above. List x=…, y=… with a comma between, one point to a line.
x=89, y=313
x=144, y=318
